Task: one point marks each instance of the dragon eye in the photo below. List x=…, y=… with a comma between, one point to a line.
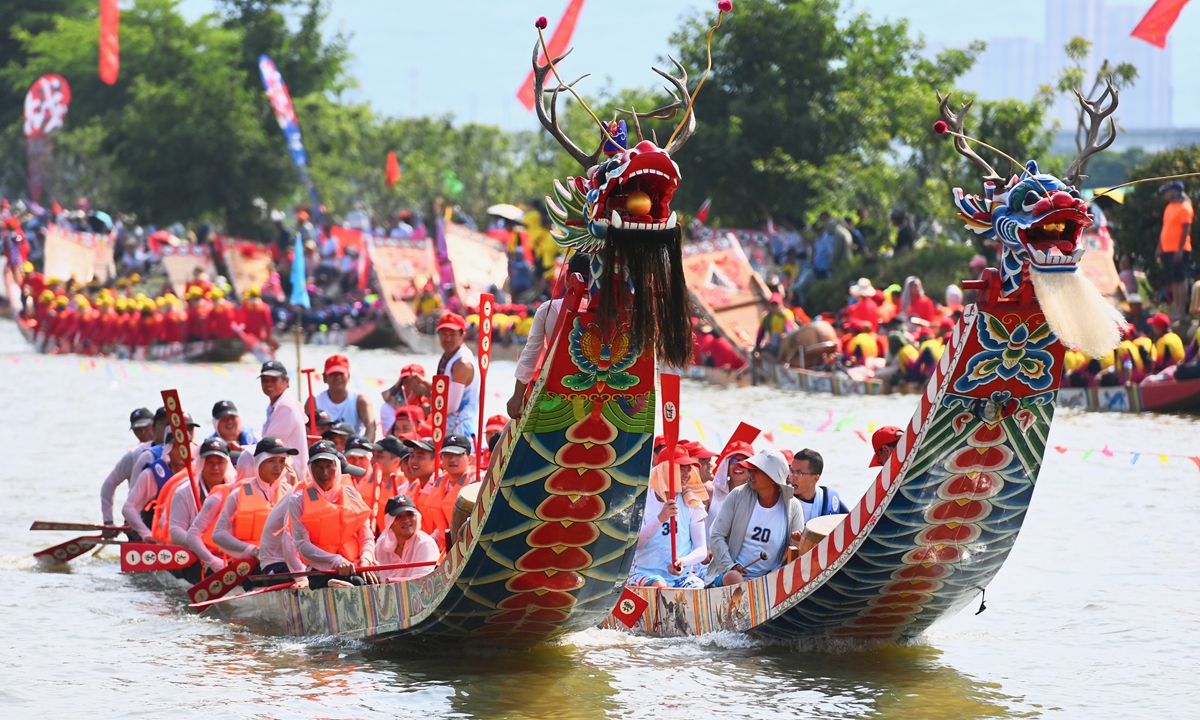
x=1031, y=199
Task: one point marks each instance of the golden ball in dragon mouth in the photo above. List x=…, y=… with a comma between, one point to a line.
x=638, y=203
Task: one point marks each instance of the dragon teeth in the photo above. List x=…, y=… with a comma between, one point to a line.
x=1077, y=254
x=671, y=221
x=615, y=220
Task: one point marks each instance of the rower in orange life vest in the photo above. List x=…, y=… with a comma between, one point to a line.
x=329, y=522
x=193, y=529
x=146, y=491
x=457, y=473
x=425, y=490
x=239, y=527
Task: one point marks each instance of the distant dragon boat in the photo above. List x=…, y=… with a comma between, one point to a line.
x=939, y=520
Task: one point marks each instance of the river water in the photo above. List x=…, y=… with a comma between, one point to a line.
x=1096, y=613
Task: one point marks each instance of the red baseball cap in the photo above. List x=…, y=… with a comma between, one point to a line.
x=337, y=364
x=698, y=451
x=495, y=422
x=775, y=298
x=681, y=456
x=742, y=448
x=452, y=321
x=412, y=412
x=412, y=370
x=1159, y=320
x=886, y=435
x=659, y=441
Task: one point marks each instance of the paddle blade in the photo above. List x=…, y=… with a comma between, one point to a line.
x=205, y=604
x=670, y=409
x=221, y=582
x=68, y=551
x=629, y=608
x=745, y=433
x=148, y=557
x=74, y=527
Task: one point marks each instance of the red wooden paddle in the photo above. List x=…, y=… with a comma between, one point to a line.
x=182, y=437
x=486, y=301
x=221, y=582
x=148, y=557
x=202, y=606
x=74, y=527
x=357, y=569
x=71, y=549
x=745, y=433
x=312, y=403
x=670, y=415
x=441, y=398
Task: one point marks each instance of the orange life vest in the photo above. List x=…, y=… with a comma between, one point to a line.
x=334, y=528
x=160, y=526
x=221, y=493
x=250, y=511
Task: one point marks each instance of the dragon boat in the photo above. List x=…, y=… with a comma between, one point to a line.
x=550, y=540
x=938, y=522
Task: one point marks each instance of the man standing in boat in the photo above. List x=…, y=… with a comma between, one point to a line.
x=342, y=406
x=285, y=419
x=756, y=520
x=807, y=466
x=459, y=363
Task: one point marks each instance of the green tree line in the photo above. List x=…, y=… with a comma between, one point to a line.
x=810, y=106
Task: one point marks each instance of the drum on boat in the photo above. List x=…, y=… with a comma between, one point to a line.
x=816, y=530
x=463, y=505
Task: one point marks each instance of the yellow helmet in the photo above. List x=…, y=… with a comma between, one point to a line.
x=82, y=303
x=160, y=301
x=216, y=294
x=52, y=280
x=122, y=282
x=170, y=297
x=194, y=292
x=62, y=301
x=27, y=267
x=135, y=278
x=122, y=304
x=252, y=292
x=47, y=296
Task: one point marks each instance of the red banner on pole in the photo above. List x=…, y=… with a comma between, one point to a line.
x=393, y=169
x=441, y=398
x=557, y=45
x=1158, y=21
x=110, y=46
x=486, y=307
x=46, y=106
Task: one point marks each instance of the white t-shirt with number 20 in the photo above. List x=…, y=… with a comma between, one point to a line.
x=767, y=532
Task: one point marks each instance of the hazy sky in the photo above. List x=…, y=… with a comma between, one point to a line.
x=468, y=57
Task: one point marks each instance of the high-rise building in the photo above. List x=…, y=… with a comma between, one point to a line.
x=1016, y=67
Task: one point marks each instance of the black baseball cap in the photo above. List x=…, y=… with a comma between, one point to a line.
x=390, y=444
x=187, y=420
x=273, y=446
x=340, y=428
x=322, y=419
x=323, y=450
x=214, y=446
x=273, y=368
x=141, y=418
x=160, y=415
x=223, y=408
x=425, y=443
x=351, y=470
x=399, y=504
x=357, y=445
x=457, y=445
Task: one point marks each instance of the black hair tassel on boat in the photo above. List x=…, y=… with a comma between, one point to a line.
x=982, y=599
x=658, y=309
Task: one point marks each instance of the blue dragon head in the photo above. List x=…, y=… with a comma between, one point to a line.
x=1037, y=218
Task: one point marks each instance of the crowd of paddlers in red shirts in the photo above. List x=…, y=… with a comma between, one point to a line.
x=95, y=319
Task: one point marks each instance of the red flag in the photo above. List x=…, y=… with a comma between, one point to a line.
x=702, y=213
x=630, y=608
x=557, y=45
x=1158, y=21
x=110, y=48
x=393, y=169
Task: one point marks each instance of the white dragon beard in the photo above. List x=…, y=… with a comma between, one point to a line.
x=1077, y=312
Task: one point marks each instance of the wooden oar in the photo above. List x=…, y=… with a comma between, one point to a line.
x=221, y=582
x=670, y=415
x=71, y=549
x=75, y=527
x=202, y=606
x=357, y=569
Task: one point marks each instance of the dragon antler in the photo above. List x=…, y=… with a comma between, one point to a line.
x=680, y=99
x=955, y=121
x=550, y=121
x=1097, y=113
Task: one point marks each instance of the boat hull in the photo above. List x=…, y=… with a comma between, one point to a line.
x=550, y=540
x=936, y=524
